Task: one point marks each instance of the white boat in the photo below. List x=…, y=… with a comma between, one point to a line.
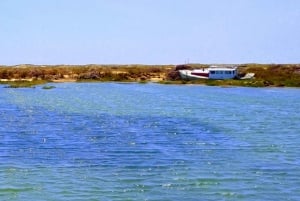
x=213, y=72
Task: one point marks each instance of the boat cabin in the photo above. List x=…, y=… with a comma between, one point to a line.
x=222, y=73
x=213, y=72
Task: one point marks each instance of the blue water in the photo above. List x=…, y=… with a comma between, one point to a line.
x=114, y=141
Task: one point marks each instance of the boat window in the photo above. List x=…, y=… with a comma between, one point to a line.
x=212, y=72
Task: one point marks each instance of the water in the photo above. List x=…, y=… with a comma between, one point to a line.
x=114, y=141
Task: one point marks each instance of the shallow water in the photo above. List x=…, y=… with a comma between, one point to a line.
x=114, y=141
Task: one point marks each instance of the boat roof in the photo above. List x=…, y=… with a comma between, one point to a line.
x=215, y=68
x=224, y=68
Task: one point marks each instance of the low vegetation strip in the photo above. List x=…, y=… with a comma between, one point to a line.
x=29, y=75
x=87, y=72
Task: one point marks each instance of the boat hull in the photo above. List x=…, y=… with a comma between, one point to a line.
x=189, y=75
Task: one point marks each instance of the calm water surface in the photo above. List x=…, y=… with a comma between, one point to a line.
x=113, y=141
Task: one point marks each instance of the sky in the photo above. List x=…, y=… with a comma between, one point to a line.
x=149, y=31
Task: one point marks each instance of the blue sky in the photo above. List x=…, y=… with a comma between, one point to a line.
x=149, y=31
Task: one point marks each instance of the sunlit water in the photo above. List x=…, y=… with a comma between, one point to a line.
x=114, y=141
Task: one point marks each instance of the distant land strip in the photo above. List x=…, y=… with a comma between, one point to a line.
x=27, y=75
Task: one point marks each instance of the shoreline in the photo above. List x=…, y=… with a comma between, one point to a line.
x=33, y=84
x=266, y=75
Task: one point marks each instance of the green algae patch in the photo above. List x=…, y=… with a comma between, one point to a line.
x=22, y=83
x=48, y=87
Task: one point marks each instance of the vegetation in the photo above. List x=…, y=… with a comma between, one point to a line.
x=86, y=72
x=273, y=75
x=30, y=75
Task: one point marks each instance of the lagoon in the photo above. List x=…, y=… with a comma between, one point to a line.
x=117, y=141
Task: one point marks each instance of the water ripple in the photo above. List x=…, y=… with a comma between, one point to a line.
x=149, y=142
